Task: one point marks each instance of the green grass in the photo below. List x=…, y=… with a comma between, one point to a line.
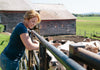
x=88, y=25
x=4, y=39
x=1, y=27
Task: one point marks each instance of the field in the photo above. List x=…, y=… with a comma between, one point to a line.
x=4, y=38
x=88, y=26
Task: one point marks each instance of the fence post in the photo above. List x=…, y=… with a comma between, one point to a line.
x=30, y=56
x=91, y=35
x=80, y=32
x=78, y=53
x=43, y=59
x=84, y=33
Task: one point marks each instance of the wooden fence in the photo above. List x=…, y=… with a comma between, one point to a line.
x=88, y=34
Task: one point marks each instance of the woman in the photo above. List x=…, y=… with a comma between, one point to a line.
x=19, y=40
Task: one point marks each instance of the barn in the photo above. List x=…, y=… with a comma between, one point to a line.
x=11, y=12
x=55, y=19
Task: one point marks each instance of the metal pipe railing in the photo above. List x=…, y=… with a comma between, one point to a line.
x=60, y=56
x=85, y=56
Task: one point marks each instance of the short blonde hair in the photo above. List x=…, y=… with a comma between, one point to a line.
x=31, y=14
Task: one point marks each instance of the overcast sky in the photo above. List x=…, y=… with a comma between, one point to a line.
x=75, y=6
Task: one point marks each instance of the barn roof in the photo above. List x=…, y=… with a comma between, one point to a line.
x=47, y=11
x=53, y=11
x=14, y=5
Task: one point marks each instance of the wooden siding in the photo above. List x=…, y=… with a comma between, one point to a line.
x=58, y=27
x=10, y=19
x=47, y=27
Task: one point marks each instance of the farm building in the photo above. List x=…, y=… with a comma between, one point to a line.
x=11, y=12
x=56, y=20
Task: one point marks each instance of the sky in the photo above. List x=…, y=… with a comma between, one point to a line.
x=75, y=6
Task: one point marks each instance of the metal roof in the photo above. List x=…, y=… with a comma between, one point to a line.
x=14, y=5
x=53, y=11
x=47, y=11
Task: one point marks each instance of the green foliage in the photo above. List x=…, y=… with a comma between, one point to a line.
x=92, y=19
x=1, y=28
x=87, y=15
x=94, y=35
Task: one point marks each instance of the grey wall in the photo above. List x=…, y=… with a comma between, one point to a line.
x=58, y=27
x=50, y=27
x=11, y=19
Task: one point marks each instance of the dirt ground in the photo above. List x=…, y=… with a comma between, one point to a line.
x=70, y=37
x=63, y=37
x=6, y=33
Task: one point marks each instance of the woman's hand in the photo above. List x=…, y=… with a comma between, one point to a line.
x=36, y=42
x=28, y=42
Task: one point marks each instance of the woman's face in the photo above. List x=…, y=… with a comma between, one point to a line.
x=32, y=22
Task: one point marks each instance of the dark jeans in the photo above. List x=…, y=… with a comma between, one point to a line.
x=7, y=64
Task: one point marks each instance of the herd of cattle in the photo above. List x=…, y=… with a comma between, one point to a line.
x=63, y=45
